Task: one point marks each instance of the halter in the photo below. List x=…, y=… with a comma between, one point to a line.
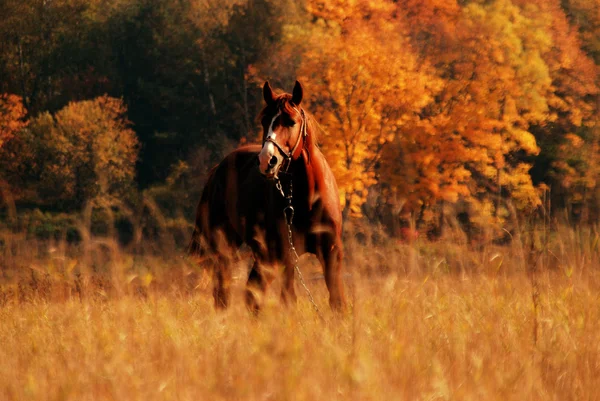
x=288, y=156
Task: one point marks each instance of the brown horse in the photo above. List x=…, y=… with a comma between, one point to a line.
x=245, y=197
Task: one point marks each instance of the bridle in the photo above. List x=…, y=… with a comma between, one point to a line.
x=289, y=156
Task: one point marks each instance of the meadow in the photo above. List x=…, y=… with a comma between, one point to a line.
x=426, y=320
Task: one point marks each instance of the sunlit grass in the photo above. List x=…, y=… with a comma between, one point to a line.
x=443, y=321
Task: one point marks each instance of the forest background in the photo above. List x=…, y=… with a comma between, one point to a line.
x=481, y=110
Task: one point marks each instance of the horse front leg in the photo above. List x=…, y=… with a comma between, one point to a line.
x=288, y=294
x=222, y=282
x=330, y=255
x=259, y=279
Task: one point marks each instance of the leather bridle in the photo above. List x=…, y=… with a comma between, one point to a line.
x=289, y=156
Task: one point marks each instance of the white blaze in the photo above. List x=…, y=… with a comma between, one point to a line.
x=268, y=150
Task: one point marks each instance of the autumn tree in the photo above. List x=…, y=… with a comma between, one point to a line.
x=570, y=139
x=85, y=150
x=584, y=16
x=12, y=113
x=499, y=86
x=366, y=84
x=474, y=142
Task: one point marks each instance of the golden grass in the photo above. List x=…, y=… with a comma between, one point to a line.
x=443, y=322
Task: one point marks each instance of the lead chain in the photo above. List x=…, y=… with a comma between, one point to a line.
x=288, y=213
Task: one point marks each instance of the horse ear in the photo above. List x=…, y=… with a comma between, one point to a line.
x=268, y=94
x=297, y=94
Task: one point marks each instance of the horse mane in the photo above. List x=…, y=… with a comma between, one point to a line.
x=312, y=128
x=284, y=103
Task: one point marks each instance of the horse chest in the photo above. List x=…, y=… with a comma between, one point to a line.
x=263, y=222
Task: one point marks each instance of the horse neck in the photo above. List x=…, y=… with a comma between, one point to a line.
x=309, y=169
x=314, y=158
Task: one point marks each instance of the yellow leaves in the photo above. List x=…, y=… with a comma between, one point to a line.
x=499, y=83
x=461, y=174
x=366, y=83
x=525, y=140
x=518, y=181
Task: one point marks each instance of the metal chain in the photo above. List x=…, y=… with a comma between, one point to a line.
x=288, y=213
x=279, y=188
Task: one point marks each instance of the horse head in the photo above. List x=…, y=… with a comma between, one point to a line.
x=285, y=130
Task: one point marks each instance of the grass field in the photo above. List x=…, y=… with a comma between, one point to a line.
x=427, y=321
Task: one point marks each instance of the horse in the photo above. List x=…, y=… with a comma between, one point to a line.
x=279, y=198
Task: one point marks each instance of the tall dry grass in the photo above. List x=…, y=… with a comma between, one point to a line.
x=427, y=321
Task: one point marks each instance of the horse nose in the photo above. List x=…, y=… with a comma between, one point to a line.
x=273, y=161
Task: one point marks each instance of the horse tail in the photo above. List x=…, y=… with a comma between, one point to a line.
x=195, y=247
x=199, y=240
x=201, y=234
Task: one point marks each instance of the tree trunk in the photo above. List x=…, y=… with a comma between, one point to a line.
x=211, y=99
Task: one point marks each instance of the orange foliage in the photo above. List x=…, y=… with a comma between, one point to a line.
x=505, y=68
x=366, y=84
x=438, y=100
x=11, y=117
x=585, y=14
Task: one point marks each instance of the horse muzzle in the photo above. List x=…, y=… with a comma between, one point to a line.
x=269, y=161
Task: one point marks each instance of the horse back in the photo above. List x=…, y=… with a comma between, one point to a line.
x=219, y=220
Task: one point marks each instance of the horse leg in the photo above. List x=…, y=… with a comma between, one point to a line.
x=330, y=256
x=222, y=282
x=258, y=281
x=288, y=294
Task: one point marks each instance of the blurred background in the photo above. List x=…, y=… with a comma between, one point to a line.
x=436, y=114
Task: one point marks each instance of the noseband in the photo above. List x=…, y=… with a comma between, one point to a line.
x=288, y=156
